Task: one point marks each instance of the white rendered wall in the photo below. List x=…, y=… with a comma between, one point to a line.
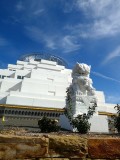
x=99, y=123
x=3, y=97
x=45, y=86
x=35, y=95
x=24, y=73
x=9, y=84
x=35, y=102
x=30, y=67
x=54, y=76
x=6, y=72
x=48, y=62
x=12, y=66
x=107, y=107
x=100, y=96
x=33, y=62
x=21, y=63
x=64, y=123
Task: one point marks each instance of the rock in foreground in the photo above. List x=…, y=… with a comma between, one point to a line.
x=62, y=146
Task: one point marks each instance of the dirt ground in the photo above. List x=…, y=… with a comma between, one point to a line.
x=23, y=132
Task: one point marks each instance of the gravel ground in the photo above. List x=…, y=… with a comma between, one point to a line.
x=22, y=132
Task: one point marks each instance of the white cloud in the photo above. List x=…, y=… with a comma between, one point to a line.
x=112, y=55
x=19, y=6
x=69, y=43
x=53, y=39
x=30, y=8
x=29, y=11
x=102, y=18
x=49, y=42
x=105, y=77
x=65, y=43
x=37, y=35
x=95, y=7
x=38, y=12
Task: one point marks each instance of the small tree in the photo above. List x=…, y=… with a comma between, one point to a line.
x=81, y=122
x=48, y=125
x=117, y=118
x=68, y=110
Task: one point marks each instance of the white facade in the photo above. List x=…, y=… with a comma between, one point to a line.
x=33, y=83
x=43, y=84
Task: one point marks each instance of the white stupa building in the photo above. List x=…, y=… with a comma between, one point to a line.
x=36, y=87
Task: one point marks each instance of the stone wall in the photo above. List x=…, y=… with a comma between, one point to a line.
x=59, y=147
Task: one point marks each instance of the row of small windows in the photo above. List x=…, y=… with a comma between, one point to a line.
x=18, y=77
x=12, y=70
x=30, y=113
x=2, y=76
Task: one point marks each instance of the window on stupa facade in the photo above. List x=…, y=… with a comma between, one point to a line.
x=20, y=77
x=23, y=112
x=38, y=113
x=13, y=112
x=9, y=112
x=32, y=113
x=6, y=112
x=3, y=76
x=29, y=113
x=16, y=112
x=20, y=112
x=35, y=113
x=47, y=114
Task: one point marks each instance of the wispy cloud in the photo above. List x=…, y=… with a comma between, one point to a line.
x=40, y=37
x=65, y=43
x=105, y=77
x=69, y=43
x=112, y=55
x=19, y=6
x=103, y=18
x=94, y=6
x=39, y=11
x=29, y=8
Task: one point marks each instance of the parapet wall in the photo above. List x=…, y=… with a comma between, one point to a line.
x=59, y=147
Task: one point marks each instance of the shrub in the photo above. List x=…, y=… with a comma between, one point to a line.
x=81, y=123
x=117, y=118
x=48, y=125
x=117, y=123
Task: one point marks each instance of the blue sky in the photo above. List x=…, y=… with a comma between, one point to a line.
x=85, y=31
